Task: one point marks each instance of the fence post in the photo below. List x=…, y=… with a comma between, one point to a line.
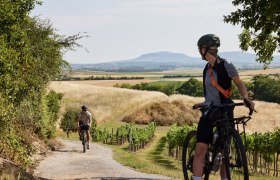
x=112, y=136
x=129, y=140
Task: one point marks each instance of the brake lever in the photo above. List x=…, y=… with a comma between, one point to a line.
x=251, y=111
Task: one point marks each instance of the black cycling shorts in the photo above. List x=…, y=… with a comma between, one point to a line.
x=205, y=126
x=84, y=127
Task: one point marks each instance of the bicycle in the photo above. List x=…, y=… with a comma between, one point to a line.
x=84, y=138
x=226, y=137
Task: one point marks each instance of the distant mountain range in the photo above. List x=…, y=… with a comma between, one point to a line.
x=160, y=61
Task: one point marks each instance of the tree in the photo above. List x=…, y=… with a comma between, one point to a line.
x=31, y=55
x=69, y=121
x=192, y=87
x=266, y=88
x=260, y=20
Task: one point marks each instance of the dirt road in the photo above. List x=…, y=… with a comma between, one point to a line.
x=97, y=163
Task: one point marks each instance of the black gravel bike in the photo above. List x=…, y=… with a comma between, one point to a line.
x=227, y=146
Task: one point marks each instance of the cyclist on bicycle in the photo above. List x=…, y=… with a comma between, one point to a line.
x=217, y=78
x=84, y=122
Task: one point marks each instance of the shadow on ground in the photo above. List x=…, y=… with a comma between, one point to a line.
x=158, y=158
x=109, y=178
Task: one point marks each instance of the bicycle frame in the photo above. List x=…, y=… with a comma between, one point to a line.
x=228, y=145
x=84, y=140
x=223, y=127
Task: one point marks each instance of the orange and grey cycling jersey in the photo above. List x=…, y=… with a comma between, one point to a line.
x=85, y=118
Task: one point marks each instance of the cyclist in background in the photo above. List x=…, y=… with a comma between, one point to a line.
x=84, y=122
x=217, y=78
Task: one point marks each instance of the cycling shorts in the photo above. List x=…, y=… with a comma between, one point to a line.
x=205, y=126
x=84, y=127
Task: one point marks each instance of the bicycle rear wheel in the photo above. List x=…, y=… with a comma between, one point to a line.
x=84, y=141
x=235, y=157
x=188, y=157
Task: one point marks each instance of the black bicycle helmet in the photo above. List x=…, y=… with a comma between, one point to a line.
x=209, y=40
x=84, y=108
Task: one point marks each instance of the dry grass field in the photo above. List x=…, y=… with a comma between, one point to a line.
x=112, y=104
x=246, y=75
x=261, y=71
x=106, y=103
x=111, y=83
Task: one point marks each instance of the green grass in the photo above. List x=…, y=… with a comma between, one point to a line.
x=63, y=135
x=153, y=159
x=110, y=124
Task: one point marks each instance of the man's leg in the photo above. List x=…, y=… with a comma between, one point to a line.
x=88, y=138
x=79, y=132
x=200, y=152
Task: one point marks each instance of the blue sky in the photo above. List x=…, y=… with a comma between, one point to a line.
x=126, y=29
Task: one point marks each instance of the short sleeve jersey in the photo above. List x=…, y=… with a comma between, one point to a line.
x=212, y=93
x=85, y=118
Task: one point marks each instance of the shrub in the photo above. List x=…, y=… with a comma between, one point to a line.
x=266, y=88
x=192, y=87
x=68, y=123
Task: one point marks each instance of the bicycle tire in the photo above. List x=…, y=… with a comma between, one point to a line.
x=235, y=157
x=84, y=142
x=188, y=155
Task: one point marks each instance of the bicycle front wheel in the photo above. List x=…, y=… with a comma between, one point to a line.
x=235, y=157
x=188, y=157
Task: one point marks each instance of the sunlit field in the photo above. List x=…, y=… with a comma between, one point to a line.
x=106, y=103
x=111, y=83
x=245, y=75
x=256, y=72
x=111, y=104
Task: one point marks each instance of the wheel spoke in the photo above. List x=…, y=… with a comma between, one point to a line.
x=188, y=156
x=235, y=157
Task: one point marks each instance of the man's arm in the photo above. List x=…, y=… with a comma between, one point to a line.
x=90, y=119
x=77, y=119
x=243, y=91
x=198, y=105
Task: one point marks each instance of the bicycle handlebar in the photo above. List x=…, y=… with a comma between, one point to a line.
x=211, y=105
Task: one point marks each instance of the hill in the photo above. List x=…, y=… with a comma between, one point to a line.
x=160, y=61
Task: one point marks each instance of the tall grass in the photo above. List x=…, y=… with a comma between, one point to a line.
x=106, y=103
x=110, y=104
x=266, y=119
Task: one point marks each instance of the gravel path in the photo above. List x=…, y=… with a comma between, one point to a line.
x=97, y=163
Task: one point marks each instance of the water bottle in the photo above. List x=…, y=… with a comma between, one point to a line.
x=217, y=162
x=215, y=137
x=210, y=156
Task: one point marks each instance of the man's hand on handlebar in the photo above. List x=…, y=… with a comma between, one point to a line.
x=250, y=104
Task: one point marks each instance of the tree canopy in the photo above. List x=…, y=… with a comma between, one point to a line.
x=31, y=55
x=260, y=20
